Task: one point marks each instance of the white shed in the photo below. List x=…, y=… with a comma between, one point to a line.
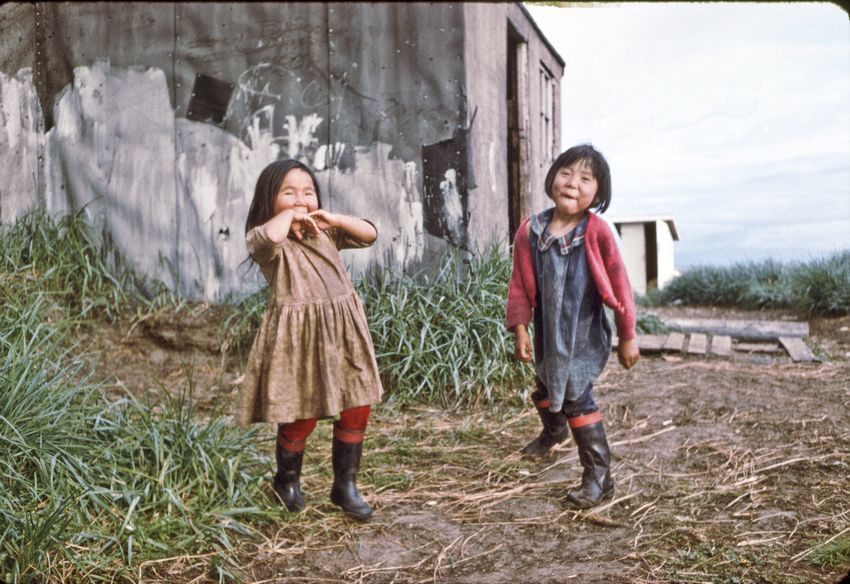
x=647, y=248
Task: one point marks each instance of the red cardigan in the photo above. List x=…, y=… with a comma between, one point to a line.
x=606, y=267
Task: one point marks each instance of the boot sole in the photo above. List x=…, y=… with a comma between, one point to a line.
x=527, y=450
x=354, y=514
x=587, y=503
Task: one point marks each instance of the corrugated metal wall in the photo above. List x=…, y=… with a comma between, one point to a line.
x=158, y=117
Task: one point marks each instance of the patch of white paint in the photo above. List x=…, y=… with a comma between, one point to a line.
x=411, y=241
x=113, y=150
x=217, y=172
x=261, y=129
x=20, y=144
x=492, y=163
x=372, y=192
x=301, y=136
x=453, y=205
x=328, y=156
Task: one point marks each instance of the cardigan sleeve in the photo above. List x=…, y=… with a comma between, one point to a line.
x=522, y=288
x=612, y=279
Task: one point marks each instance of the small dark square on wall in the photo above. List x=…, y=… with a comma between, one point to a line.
x=210, y=97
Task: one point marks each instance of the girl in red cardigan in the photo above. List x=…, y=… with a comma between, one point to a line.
x=566, y=265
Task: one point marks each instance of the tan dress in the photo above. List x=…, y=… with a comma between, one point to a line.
x=313, y=355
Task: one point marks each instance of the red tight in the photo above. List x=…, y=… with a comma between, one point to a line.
x=350, y=428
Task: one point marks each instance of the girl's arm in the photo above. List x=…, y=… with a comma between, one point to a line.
x=354, y=226
x=279, y=226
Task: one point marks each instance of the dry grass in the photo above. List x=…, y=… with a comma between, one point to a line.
x=696, y=501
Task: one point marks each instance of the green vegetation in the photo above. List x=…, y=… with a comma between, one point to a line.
x=817, y=287
x=89, y=486
x=834, y=554
x=59, y=261
x=441, y=339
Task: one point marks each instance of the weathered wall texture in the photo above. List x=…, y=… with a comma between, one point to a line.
x=157, y=119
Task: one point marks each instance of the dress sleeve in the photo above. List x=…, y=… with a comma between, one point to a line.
x=343, y=240
x=624, y=311
x=260, y=247
x=521, y=287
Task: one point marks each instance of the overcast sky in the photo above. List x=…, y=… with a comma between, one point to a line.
x=733, y=118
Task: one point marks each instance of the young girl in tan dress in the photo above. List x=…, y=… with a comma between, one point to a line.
x=313, y=356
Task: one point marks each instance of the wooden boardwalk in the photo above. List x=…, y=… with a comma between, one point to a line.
x=724, y=338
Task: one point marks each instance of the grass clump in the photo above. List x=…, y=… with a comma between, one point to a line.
x=817, y=287
x=89, y=486
x=822, y=286
x=440, y=338
x=60, y=258
x=834, y=554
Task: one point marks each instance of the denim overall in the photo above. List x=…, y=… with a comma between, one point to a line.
x=572, y=335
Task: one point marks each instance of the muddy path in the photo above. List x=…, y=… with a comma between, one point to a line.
x=727, y=470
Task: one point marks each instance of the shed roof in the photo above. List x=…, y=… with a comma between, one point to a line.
x=542, y=36
x=671, y=224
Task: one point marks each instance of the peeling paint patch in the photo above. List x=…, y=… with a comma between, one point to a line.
x=300, y=136
x=372, y=192
x=21, y=140
x=112, y=147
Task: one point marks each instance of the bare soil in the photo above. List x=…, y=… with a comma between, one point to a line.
x=727, y=470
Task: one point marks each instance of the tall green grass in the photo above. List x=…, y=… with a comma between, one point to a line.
x=61, y=258
x=818, y=287
x=441, y=338
x=89, y=486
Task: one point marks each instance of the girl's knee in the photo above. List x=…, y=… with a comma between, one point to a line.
x=292, y=436
x=355, y=418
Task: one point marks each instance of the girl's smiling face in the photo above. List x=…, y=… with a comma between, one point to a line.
x=574, y=189
x=296, y=191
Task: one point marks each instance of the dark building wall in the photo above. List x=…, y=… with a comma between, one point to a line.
x=158, y=117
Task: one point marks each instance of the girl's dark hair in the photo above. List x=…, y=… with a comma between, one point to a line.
x=598, y=165
x=262, y=207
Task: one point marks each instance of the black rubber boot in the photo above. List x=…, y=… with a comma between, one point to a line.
x=554, y=432
x=287, y=480
x=346, y=464
x=595, y=457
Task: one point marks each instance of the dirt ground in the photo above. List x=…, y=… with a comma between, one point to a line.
x=727, y=470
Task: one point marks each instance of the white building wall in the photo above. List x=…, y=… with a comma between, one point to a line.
x=666, y=267
x=634, y=255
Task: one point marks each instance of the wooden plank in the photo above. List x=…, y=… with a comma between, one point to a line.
x=697, y=344
x=797, y=349
x=757, y=347
x=674, y=342
x=721, y=345
x=756, y=330
x=651, y=343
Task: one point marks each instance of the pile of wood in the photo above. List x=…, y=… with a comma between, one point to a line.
x=722, y=337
